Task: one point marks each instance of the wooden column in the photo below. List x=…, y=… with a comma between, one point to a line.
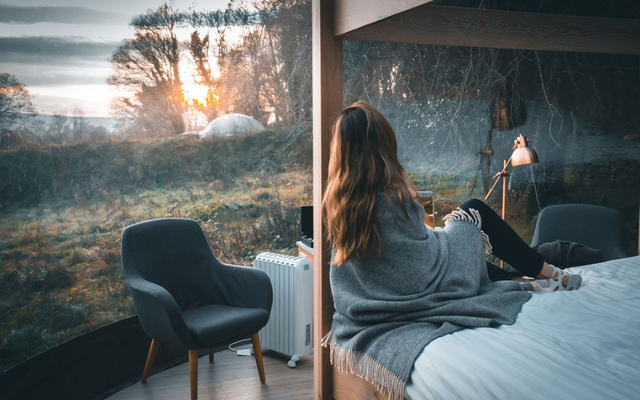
x=327, y=105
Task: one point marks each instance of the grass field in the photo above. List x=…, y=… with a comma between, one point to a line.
x=60, y=266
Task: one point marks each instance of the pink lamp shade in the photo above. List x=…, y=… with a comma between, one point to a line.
x=523, y=154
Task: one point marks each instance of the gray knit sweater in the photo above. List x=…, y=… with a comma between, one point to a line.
x=426, y=283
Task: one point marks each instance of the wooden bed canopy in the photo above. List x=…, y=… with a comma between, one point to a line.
x=419, y=22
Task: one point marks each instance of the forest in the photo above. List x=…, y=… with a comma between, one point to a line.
x=69, y=189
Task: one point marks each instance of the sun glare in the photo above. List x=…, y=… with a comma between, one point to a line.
x=194, y=93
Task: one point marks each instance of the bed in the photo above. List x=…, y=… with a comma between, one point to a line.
x=600, y=331
x=568, y=345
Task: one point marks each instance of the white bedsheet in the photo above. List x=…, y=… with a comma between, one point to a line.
x=583, y=344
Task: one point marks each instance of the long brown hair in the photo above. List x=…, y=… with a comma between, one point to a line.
x=363, y=162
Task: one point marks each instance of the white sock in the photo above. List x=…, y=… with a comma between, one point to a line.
x=559, y=280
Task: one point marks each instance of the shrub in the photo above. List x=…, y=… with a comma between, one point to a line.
x=58, y=278
x=87, y=170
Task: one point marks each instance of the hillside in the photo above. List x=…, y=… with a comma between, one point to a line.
x=107, y=122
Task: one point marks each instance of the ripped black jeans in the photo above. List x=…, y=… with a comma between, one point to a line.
x=506, y=243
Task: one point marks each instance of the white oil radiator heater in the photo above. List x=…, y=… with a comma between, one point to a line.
x=289, y=328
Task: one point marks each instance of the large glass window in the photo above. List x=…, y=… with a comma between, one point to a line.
x=105, y=112
x=458, y=110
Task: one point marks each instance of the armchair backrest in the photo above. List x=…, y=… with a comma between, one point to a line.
x=173, y=253
x=593, y=226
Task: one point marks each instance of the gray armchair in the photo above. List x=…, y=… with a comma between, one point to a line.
x=186, y=297
x=594, y=226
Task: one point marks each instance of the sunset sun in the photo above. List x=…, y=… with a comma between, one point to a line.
x=194, y=93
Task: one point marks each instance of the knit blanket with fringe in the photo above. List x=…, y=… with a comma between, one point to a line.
x=424, y=284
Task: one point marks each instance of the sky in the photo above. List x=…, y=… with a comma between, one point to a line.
x=60, y=48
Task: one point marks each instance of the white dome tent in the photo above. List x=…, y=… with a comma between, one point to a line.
x=232, y=125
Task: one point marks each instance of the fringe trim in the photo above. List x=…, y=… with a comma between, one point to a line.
x=365, y=367
x=474, y=218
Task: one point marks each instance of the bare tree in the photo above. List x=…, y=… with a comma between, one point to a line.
x=15, y=102
x=243, y=73
x=79, y=124
x=148, y=65
x=287, y=57
x=267, y=74
x=199, y=48
x=216, y=62
x=59, y=129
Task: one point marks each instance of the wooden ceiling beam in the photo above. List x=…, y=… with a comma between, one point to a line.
x=458, y=26
x=353, y=14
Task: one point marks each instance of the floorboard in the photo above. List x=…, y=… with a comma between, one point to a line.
x=229, y=377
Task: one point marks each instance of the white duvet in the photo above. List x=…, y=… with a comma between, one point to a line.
x=583, y=344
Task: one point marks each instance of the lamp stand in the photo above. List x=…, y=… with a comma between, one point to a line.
x=502, y=174
x=521, y=154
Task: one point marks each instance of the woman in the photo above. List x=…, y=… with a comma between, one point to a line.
x=396, y=284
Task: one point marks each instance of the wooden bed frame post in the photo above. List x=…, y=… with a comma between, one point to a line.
x=327, y=106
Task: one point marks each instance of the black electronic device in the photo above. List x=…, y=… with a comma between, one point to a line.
x=306, y=225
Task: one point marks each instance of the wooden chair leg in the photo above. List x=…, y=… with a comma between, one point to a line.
x=193, y=373
x=152, y=356
x=210, y=354
x=257, y=351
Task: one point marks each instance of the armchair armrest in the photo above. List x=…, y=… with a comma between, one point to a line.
x=159, y=313
x=243, y=286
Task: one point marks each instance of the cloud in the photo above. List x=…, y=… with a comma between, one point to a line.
x=63, y=15
x=56, y=75
x=53, y=49
x=51, y=104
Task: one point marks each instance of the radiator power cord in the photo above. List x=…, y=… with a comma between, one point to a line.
x=242, y=352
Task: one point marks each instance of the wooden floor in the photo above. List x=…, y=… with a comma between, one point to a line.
x=229, y=377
